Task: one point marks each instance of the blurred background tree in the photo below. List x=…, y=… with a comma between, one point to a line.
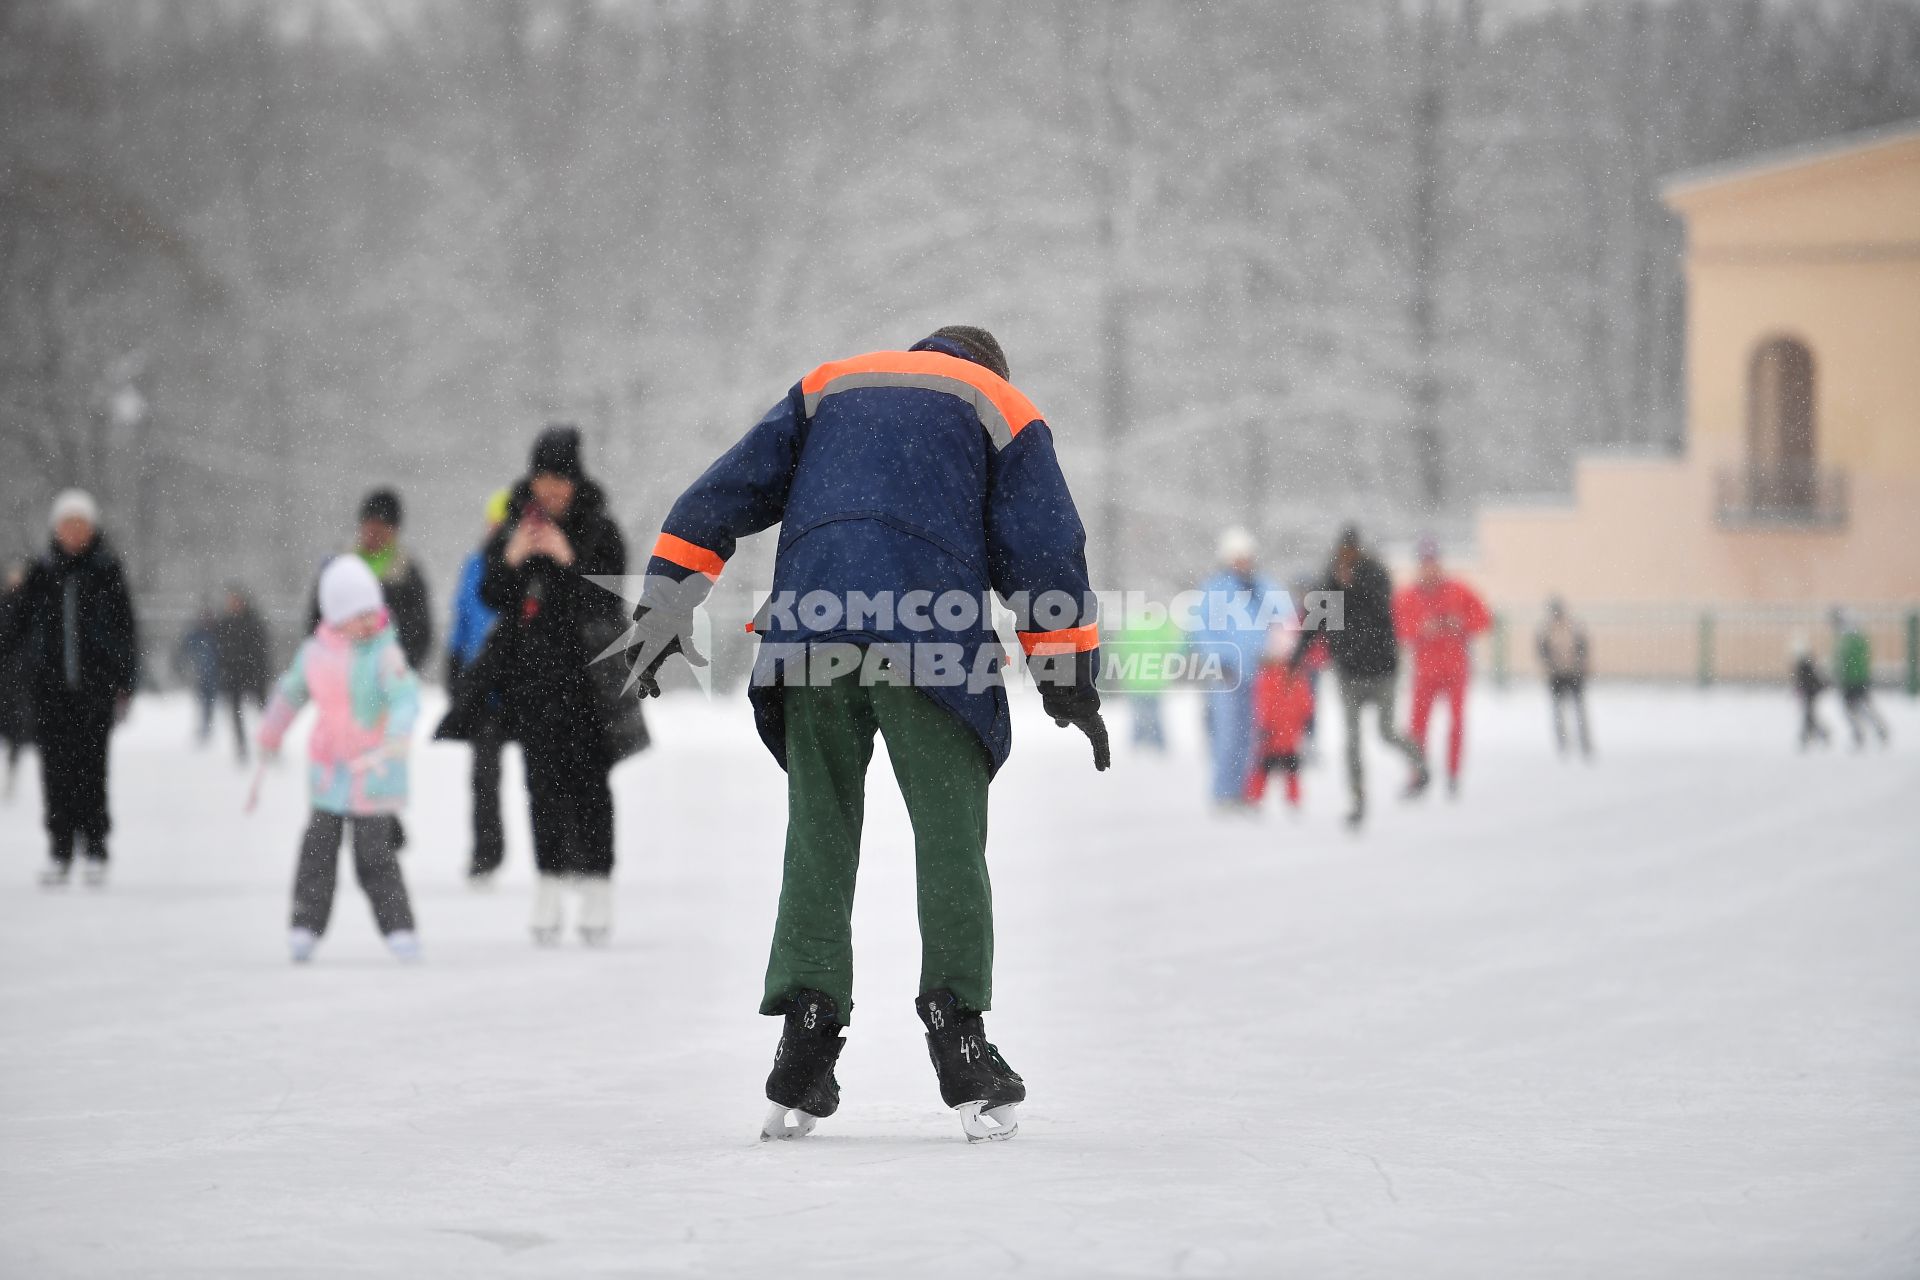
x=1275, y=263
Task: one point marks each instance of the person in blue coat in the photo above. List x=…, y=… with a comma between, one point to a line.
x=472, y=624
x=1236, y=613
x=910, y=488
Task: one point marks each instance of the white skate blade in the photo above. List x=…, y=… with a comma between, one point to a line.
x=777, y=1128
x=994, y=1124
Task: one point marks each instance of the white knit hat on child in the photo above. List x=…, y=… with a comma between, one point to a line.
x=74, y=503
x=347, y=590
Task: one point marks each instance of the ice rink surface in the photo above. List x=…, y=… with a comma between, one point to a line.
x=1659, y=1016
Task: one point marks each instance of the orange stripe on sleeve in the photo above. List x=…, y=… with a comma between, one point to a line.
x=688, y=555
x=1045, y=644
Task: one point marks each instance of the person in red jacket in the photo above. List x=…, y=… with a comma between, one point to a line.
x=1282, y=708
x=1436, y=617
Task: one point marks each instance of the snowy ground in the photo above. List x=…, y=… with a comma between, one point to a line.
x=1656, y=1017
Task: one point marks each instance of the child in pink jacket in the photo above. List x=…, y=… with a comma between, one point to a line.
x=353, y=672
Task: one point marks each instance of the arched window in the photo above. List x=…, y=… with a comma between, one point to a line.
x=1780, y=426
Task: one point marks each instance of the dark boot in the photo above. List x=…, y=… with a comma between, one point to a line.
x=802, y=1079
x=970, y=1069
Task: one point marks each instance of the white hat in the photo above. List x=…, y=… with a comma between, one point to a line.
x=72, y=503
x=347, y=590
x=1236, y=544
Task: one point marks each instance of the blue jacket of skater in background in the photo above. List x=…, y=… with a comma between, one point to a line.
x=1236, y=636
x=472, y=620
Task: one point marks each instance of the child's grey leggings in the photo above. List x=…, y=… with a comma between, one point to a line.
x=376, y=864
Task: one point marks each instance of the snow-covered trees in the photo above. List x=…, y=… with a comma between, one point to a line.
x=386, y=241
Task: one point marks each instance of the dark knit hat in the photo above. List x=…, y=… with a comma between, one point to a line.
x=981, y=347
x=382, y=505
x=557, y=453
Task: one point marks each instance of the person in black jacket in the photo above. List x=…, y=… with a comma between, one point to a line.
x=75, y=618
x=558, y=533
x=1808, y=685
x=402, y=584
x=240, y=640
x=1366, y=657
x=16, y=710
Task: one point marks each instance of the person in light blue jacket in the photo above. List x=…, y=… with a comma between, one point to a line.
x=466, y=639
x=1236, y=602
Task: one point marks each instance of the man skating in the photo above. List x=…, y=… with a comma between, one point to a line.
x=245, y=661
x=1853, y=673
x=1566, y=656
x=1366, y=657
x=1808, y=685
x=906, y=484
x=402, y=585
x=1437, y=617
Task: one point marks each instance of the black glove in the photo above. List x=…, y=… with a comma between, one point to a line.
x=1079, y=706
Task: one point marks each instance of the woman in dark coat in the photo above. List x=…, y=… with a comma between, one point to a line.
x=553, y=621
x=75, y=618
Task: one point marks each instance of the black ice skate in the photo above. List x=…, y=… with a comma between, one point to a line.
x=802, y=1087
x=974, y=1079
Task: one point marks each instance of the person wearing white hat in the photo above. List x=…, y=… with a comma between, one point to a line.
x=1234, y=634
x=366, y=699
x=74, y=616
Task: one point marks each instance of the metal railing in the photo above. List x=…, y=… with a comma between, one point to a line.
x=1789, y=494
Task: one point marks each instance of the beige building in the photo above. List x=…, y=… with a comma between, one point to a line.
x=1799, y=486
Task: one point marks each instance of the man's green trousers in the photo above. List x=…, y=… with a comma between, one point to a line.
x=942, y=772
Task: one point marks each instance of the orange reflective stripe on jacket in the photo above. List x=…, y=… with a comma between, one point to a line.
x=1043, y=644
x=1002, y=409
x=688, y=555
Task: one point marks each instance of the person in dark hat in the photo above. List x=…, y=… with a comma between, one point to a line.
x=1366, y=656
x=401, y=582
x=557, y=535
